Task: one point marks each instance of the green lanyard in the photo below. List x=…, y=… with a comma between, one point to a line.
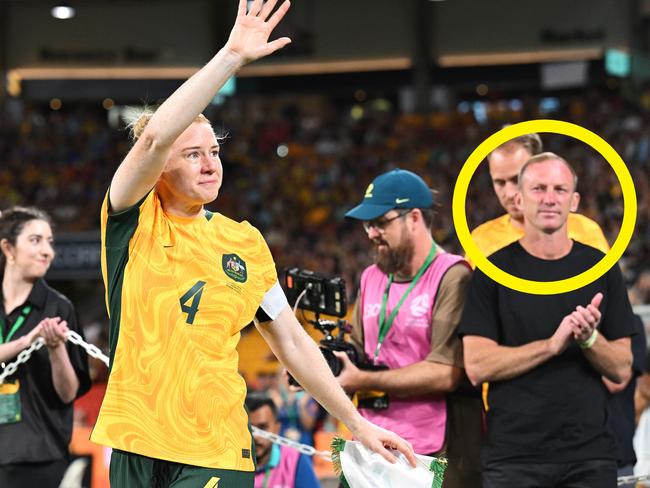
x=17, y=324
x=267, y=474
x=384, y=325
x=274, y=457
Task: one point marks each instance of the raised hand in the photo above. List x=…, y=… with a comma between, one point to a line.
x=249, y=37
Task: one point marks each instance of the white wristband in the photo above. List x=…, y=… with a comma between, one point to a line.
x=589, y=342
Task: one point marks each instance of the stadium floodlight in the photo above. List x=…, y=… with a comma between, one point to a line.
x=63, y=12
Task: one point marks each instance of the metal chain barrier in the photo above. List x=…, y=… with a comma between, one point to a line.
x=26, y=354
x=91, y=349
x=283, y=441
x=22, y=358
x=97, y=353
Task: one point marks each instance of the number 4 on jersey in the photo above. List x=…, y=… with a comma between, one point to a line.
x=195, y=294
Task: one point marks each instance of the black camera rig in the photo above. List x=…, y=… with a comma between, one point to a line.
x=316, y=292
x=322, y=295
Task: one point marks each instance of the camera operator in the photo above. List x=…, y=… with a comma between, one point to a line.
x=406, y=316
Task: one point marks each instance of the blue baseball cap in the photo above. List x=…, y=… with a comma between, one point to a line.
x=397, y=188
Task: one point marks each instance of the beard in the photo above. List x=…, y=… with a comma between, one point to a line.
x=263, y=453
x=513, y=209
x=394, y=260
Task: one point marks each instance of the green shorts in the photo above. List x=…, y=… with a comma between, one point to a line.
x=130, y=470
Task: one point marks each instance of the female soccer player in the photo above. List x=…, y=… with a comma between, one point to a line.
x=181, y=283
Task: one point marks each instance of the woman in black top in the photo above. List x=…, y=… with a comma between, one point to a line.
x=36, y=401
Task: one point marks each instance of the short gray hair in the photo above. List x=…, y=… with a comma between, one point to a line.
x=547, y=156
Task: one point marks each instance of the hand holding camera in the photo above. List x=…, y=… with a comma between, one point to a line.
x=325, y=295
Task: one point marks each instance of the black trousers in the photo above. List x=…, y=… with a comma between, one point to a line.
x=456, y=477
x=584, y=474
x=41, y=475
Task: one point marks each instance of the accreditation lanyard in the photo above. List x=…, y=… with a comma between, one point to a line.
x=267, y=474
x=272, y=463
x=17, y=324
x=384, y=325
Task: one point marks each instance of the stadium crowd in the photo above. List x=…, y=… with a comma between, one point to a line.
x=62, y=161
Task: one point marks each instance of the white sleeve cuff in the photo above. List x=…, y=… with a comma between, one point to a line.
x=274, y=301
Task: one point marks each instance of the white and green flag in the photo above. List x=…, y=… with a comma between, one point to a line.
x=359, y=467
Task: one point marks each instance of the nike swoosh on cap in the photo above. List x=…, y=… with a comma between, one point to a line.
x=401, y=200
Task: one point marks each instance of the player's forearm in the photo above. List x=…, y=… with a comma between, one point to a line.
x=304, y=360
x=144, y=164
x=64, y=378
x=499, y=363
x=309, y=367
x=182, y=107
x=421, y=378
x=612, y=359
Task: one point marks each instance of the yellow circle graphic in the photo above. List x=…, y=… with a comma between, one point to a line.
x=555, y=127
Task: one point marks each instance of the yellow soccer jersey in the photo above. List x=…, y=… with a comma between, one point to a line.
x=498, y=233
x=179, y=290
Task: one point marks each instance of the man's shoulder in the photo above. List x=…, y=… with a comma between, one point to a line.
x=582, y=221
x=491, y=226
x=456, y=268
x=495, y=234
x=372, y=270
x=582, y=228
x=508, y=252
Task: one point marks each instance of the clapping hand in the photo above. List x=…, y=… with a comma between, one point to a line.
x=54, y=331
x=586, y=319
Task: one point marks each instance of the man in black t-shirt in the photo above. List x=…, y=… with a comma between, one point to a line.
x=544, y=354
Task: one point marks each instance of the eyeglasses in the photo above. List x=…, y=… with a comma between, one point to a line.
x=381, y=223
